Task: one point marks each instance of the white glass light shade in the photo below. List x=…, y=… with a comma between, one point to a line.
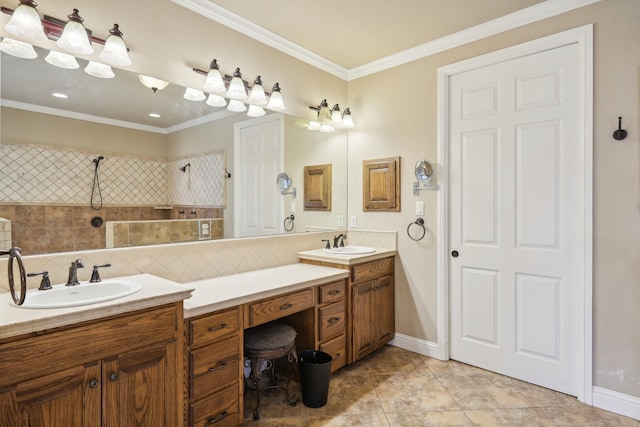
x=326, y=128
x=336, y=115
x=18, y=48
x=194, y=95
x=324, y=115
x=257, y=96
x=152, y=82
x=347, y=120
x=74, y=36
x=216, y=101
x=62, y=60
x=313, y=125
x=255, y=111
x=236, y=106
x=236, y=87
x=115, y=51
x=275, y=101
x=214, y=82
x=301, y=123
x=25, y=23
x=97, y=69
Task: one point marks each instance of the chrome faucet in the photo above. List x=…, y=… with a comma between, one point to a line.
x=73, y=272
x=338, y=241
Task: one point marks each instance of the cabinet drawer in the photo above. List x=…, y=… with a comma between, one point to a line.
x=331, y=292
x=331, y=320
x=278, y=307
x=208, y=329
x=371, y=270
x=220, y=409
x=337, y=349
x=214, y=367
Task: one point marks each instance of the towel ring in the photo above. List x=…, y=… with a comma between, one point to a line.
x=290, y=218
x=15, y=252
x=419, y=222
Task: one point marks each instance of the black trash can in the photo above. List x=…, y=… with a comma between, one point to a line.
x=315, y=371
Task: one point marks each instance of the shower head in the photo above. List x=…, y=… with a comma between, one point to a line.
x=97, y=161
x=184, y=168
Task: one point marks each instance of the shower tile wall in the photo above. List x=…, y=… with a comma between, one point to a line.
x=45, y=193
x=5, y=234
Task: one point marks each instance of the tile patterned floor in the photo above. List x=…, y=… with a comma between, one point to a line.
x=395, y=387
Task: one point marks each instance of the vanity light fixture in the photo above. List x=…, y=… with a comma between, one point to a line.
x=328, y=119
x=236, y=106
x=236, y=87
x=191, y=94
x=115, y=51
x=99, y=70
x=62, y=60
x=71, y=35
x=275, y=100
x=216, y=100
x=25, y=22
x=74, y=36
x=255, y=111
x=152, y=83
x=18, y=48
x=257, y=96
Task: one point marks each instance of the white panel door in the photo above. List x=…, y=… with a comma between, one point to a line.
x=258, y=203
x=515, y=170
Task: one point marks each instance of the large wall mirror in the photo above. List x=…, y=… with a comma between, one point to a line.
x=180, y=165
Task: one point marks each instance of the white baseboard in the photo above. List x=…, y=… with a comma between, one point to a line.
x=424, y=347
x=614, y=401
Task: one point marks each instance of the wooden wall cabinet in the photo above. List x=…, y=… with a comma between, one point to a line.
x=121, y=371
x=317, y=188
x=381, y=185
x=213, y=371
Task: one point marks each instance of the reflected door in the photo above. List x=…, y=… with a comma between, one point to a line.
x=258, y=150
x=517, y=182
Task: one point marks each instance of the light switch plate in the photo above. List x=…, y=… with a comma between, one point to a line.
x=293, y=207
x=340, y=221
x=353, y=221
x=419, y=208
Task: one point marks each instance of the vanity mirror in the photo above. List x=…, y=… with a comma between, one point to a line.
x=58, y=137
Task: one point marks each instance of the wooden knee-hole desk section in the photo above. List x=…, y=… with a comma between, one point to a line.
x=214, y=378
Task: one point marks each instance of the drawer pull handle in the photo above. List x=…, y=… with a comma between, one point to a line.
x=93, y=383
x=214, y=420
x=334, y=292
x=216, y=328
x=333, y=320
x=217, y=368
x=286, y=306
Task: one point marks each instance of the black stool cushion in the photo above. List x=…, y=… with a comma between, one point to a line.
x=269, y=337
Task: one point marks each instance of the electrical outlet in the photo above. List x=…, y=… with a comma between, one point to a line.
x=419, y=208
x=340, y=221
x=353, y=221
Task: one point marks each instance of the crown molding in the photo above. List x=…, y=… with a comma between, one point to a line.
x=544, y=10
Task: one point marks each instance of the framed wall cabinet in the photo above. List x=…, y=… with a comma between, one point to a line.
x=381, y=185
x=317, y=188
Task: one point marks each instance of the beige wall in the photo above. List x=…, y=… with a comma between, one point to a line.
x=389, y=125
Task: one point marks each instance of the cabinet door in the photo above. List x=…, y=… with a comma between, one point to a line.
x=141, y=387
x=363, y=324
x=384, y=309
x=70, y=398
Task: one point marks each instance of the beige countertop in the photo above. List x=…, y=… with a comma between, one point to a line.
x=321, y=255
x=155, y=291
x=222, y=292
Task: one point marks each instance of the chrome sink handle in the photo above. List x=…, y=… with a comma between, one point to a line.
x=16, y=253
x=45, y=283
x=95, y=275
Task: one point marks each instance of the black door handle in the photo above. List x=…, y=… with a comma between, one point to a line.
x=455, y=254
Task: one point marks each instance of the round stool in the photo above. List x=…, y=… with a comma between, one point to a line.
x=269, y=342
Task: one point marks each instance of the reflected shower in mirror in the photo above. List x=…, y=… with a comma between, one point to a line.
x=48, y=144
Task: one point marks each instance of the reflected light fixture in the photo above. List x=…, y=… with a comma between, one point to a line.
x=97, y=69
x=62, y=60
x=347, y=120
x=236, y=87
x=236, y=106
x=191, y=94
x=214, y=82
x=336, y=116
x=324, y=113
x=18, y=48
x=74, y=36
x=25, y=22
x=275, y=100
x=257, y=96
x=328, y=119
x=115, y=51
x=152, y=83
x=255, y=111
x=216, y=101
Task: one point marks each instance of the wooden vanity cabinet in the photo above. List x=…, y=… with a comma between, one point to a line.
x=370, y=304
x=213, y=380
x=119, y=371
x=331, y=321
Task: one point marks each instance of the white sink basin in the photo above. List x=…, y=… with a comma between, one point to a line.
x=83, y=294
x=351, y=250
